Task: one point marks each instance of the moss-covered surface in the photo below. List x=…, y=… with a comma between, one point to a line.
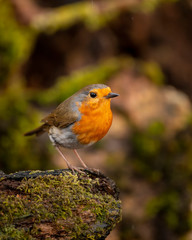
x=57, y=205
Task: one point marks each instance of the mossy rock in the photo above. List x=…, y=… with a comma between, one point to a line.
x=58, y=204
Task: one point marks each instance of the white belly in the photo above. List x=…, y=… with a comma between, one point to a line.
x=65, y=138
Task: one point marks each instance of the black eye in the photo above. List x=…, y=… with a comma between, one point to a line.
x=93, y=95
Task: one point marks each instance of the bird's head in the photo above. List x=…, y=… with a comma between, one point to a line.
x=95, y=95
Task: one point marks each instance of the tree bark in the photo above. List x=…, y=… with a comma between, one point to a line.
x=58, y=204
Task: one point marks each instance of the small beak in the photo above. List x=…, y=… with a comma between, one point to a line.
x=112, y=95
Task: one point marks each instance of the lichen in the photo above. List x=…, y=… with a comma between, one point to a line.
x=65, y=200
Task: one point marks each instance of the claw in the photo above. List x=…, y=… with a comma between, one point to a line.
x=73, y=169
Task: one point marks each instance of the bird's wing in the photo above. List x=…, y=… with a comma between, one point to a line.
x=63, y=116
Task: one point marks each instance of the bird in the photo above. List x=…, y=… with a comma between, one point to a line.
x=79, y=121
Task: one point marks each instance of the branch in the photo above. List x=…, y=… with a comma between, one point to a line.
x=57, y=204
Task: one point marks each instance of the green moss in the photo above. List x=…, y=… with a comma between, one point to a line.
x=11, y=232
x=2, y=178
x=56, y=199
x=65, y=17
x=36, y=171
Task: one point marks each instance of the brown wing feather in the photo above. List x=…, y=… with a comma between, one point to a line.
x=62, y=116
x=66, y=114
x=38, y=131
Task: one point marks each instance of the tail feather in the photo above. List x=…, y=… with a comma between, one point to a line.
x=37, y=131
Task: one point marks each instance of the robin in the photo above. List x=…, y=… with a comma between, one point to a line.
x=79, y=121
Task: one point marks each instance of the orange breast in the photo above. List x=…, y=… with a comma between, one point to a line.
x=94, y=123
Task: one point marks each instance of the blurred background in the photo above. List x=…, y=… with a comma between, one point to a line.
x=142, y=49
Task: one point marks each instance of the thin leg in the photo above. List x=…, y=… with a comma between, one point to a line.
x=77, y=154
x=67, y=162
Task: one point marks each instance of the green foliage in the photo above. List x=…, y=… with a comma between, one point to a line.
x=153, y=72
x=166, y=165
x=65, y=17
x=15, y=41
x=86, y=13
x=148, y=142
x=17, y=116
x=169, y=203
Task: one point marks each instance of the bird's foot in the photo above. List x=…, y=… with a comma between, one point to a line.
x=75, y=169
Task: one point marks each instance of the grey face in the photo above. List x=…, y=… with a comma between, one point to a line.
x=83, y=93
